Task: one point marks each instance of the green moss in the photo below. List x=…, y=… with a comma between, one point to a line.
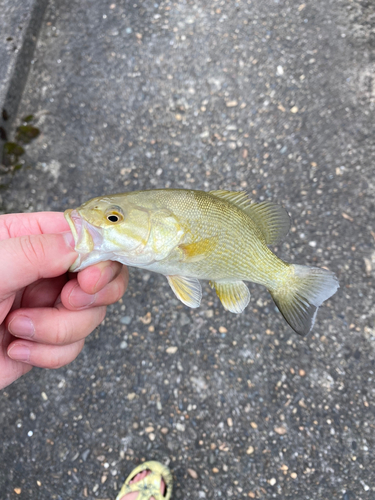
x=28, y=118
x=12, y=148
x=26, y=133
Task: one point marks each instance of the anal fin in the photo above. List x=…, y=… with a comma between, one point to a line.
x=234, y=296
x=188, y=290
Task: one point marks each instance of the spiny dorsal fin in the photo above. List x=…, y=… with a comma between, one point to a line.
x=271, y=219
x=234, y=296
x=188, y=290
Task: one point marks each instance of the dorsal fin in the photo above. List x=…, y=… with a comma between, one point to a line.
x=238, y=198
x=271, y=219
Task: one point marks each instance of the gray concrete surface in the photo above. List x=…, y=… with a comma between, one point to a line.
x=276, y=97
x=20, y=21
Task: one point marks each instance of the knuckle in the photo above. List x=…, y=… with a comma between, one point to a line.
x=62, y=333
x=33, y=250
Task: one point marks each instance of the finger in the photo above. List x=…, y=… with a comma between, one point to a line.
x=43, y=293
x=30, y=258
x=15, y=225
x=5, y=307
x=54, y=325
x=10, y=370
x=94, y=278
x=74, y=298
x=44, y=356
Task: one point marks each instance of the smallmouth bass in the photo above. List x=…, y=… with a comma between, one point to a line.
x=187, y=235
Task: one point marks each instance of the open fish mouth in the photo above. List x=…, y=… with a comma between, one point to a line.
x=87, y=238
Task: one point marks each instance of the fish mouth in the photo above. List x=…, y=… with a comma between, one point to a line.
x=87, y=238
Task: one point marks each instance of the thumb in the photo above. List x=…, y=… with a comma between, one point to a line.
x=29, y=258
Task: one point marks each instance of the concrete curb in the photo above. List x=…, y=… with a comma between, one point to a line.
x=20, y=22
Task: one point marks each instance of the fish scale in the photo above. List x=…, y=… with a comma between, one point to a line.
x=188, y=235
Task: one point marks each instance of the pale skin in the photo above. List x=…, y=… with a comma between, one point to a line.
x=45, y=312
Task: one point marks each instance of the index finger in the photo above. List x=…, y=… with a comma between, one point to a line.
x=29, y=258
x=15, y=225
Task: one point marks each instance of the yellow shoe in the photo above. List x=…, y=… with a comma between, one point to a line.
x=149, y=486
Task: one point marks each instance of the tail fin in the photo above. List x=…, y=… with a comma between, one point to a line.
x=302, y=294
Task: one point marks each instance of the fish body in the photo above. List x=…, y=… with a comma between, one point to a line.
x=187, y=235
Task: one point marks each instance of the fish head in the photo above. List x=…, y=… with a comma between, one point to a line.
x=124, y=227
x=104, y=228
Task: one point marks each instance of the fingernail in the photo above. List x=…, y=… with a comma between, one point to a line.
x=19, y=353
x=21, y=326
x=79, y=299
x=69, y=240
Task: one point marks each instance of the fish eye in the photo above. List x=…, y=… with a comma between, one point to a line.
x=115, y=215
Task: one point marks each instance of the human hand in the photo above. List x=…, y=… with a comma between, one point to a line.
x=45, y=312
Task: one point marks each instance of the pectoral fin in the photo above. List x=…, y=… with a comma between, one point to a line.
x=188, y=290
x=234, y=296
x=199, y=250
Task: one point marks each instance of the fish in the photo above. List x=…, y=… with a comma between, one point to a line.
x=190, y=235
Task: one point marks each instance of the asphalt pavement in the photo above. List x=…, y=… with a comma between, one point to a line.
x=276, y=97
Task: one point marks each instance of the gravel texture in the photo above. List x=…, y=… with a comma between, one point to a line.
x=20, y=21
x=276, y=97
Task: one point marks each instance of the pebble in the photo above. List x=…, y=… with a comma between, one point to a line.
x=126, y=320
x=123, y=345
x=180, y=427
x=231, y=104
x=85, y=454
x=254, y=425
x=250, y=450
x=172, y=350
x=280, y=70
x=164, y=430
x=272, y=481
x=222, y=329
x=280, y=430
x=184, y=319
x=44, y=396
x=294, y=109
x=293, y=475
x=192, y=473
x=230, y=422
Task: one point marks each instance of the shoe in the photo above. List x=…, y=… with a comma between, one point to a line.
x=149, y=485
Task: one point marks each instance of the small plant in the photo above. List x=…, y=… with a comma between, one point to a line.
x=13, y=150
